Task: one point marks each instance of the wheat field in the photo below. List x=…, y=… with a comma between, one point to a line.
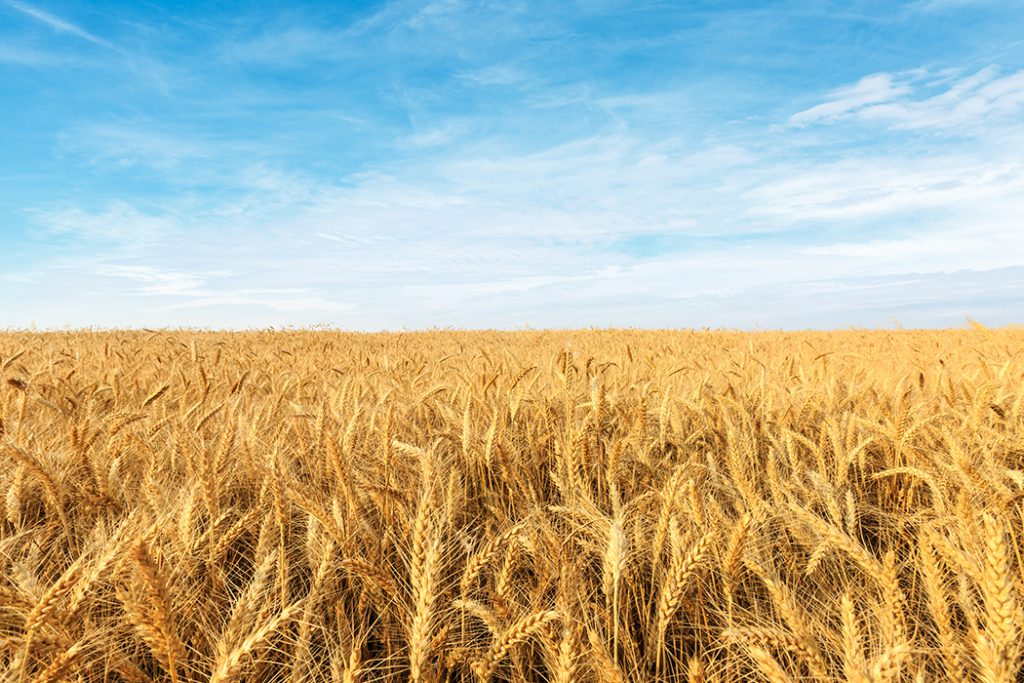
x=512, y=506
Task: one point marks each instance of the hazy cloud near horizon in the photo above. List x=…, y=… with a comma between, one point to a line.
x=475, y=164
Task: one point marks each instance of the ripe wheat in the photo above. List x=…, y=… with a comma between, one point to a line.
x=534, y=506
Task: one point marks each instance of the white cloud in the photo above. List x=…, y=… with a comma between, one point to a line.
x=901, y=102
x=844, y=101
x=127, y=146
x=985, y=246
x=942, y=5
x=434, y=137
x=873, y=187
x=158, y=282
x=189, y=290
x=295, y=299
x=286, y=46
x=119, y=222
x=495, y=74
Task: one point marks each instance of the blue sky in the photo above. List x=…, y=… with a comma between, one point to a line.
x=382, y=165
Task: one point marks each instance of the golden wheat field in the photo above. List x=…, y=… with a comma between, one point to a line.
x=523, y=506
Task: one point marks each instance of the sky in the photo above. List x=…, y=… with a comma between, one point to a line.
x=473, y=164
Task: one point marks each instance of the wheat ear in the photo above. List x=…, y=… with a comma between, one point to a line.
x=155, y=621
x=518, y=632
x=231, y=667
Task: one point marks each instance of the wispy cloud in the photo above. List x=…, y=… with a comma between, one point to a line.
x=963, y=104
x=848, y=100
x=872, y=187
x=119, y=222
x=27, y=56
x=495, y=74
x=59, y=24
x=157, y=281
x=183, y=290
x=945, y=5
x=127, y=145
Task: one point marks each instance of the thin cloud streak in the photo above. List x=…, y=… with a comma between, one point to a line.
x=58, y=24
